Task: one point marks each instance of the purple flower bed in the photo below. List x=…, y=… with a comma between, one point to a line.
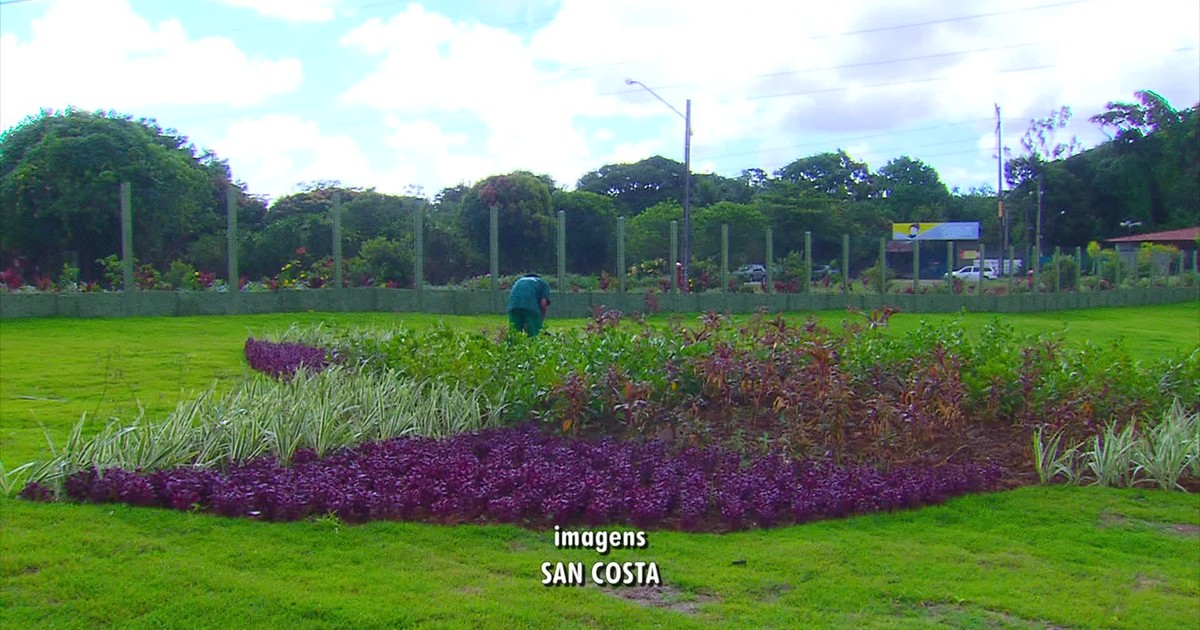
x=524, y=476
x=283, y=359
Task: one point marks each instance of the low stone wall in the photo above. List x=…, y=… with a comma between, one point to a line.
x=461, y=302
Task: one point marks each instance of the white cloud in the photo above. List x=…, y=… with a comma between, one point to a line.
x=99, y=54
x=770, y=81
x=276, y=152
x=291, y=10
x=431, y=64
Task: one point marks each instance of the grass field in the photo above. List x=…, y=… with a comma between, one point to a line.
x=1035, y=557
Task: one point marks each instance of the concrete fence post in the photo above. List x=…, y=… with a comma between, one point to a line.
x=845, y=263
x=916, y=267
x=562, y=250
x=494, y=249
x=882, y=284
x=1012, y=270
x=769, y=278
x=231, y=236
x=621, y=254
x=807, y=262
x=671, y=268
x=337, y=239
x=1037, y=269
x=724, y=257
x=1057, y=270
x=950, y=265
x=419, y=251
x=1079, y=269
x=127, y=236
x=981, y=262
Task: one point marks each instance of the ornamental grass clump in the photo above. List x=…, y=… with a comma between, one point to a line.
x=318, y=412
x=1162, y=454
x=523, y=475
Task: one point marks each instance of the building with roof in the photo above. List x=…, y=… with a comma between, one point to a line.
x=1185, y=240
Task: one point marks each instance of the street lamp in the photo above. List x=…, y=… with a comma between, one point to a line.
x=1129, y=225
x=687, y=175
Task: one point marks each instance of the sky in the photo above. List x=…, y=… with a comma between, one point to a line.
x=408, y=97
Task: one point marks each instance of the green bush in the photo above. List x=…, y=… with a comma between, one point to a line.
x=182, y=276
x=384, y=261
x=871, y=276
x=1068, y=273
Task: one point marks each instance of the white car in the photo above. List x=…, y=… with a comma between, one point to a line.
x=972, y=273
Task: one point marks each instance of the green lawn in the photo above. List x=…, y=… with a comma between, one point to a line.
x=1036, y=557
x=53, y=371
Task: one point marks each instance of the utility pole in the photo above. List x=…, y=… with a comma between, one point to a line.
x=687, y=175
x=1037, y=261
x=1000, y=196
x=687, y=190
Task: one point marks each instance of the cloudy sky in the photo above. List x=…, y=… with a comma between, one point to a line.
x=404, y=96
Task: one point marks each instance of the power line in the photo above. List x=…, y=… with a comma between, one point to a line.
x=863, y=64
x=845, y=88
x=960, y=18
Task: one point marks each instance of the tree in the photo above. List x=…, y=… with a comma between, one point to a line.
x=647, y=235
x=710, y=188
x=1156, y=149
x=59, y=181
x=385, y=260
x=1133, y=121
x=635, y=187
x=370, y=214
x=836, y=175
x=747, y=232
x=912, y=190
x=301, y=220
x=526, y=224
x=591, y=224
x=1040, y=149
x=793, y=209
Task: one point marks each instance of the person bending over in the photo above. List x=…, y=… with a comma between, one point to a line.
x=527, y=303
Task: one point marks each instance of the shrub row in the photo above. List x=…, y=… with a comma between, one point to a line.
x=522, y=475
x=806, y=381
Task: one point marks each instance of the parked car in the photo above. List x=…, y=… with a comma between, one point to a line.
x=752, y=273
x=825, y=271
x=971, y=272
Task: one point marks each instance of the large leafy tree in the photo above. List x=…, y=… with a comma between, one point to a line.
x=591, y=224
x=526, y=222
x=299, y=222
x=59, y=180
x=635, y=187
x=835, y=175
x=647, y=235
x=747, y=232
x=1156, y=150
x=912, y=190
x=1038, y=169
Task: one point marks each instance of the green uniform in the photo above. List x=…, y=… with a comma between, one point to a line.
x=524, y=308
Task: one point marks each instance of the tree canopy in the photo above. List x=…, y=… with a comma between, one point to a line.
x=59, y=176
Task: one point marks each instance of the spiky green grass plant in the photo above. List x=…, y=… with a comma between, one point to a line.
x=1160, y=454
x=340, y=406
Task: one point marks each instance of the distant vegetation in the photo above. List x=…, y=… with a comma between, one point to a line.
x=59, y=197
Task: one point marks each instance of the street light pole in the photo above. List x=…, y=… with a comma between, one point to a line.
x=687, y=176
x=687, y=189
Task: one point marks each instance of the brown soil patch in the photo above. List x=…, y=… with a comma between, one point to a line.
x=1108, y=519
x=665, y=596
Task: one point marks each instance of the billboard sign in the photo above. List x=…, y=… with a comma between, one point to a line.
x=960, y=231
